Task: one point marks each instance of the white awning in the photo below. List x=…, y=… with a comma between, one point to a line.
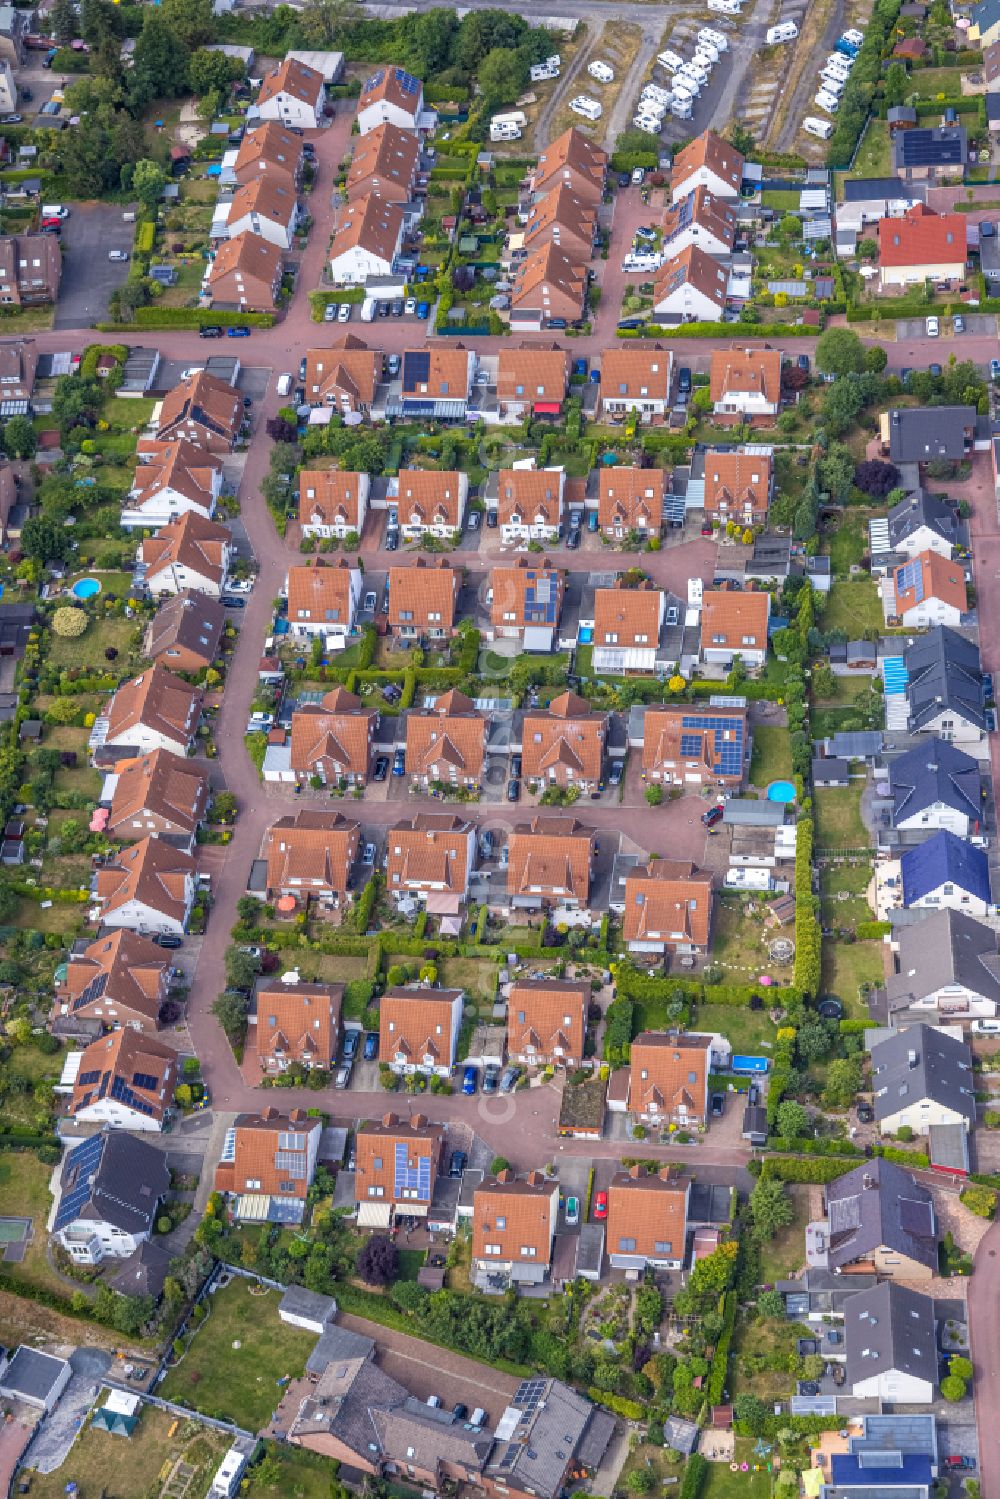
x=374, y=1214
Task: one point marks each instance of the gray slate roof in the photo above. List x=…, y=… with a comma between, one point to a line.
x=430, y=1435
x=918, y=434
x=857, y=745
x=890, y=1329
x=922, y=1063
x=935, y=773
x=130, y=1178
x=825, y=1293
x=946, y=674
x=554, y=1423
x=945, y=947
x=298, y=1302
x=337, y=1344
x=879, y=1204
x=144, y=1272
x=921, y=509
x=32, y=1374
x=745, y=812
x=875, y=189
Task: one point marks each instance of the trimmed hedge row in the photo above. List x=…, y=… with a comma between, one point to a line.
x=790, y=1168
x=872, y=930
x=694, y=1478
x=808, y=956
x=712, y=330
x=630, y=1409
x=814, y=1147
x=189, y=317
x=720, y=1358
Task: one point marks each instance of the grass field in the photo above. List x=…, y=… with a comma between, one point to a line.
x=739, y=943
x=849, y=542
x=874, y=157
x=290, y=1473
x=239, y=1383
x=772, y=757
x=847, y=965
x=722, y=1483
x=831, y=713
x=133, y=1464
x=784, y=1252
x=87, y=650
x=24, y=1193
x=850, y=880
x=838, y=817
x=750, y=1032
x=854, y=607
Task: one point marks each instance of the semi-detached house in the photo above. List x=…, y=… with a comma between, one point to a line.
x=745, y=385
x=124, y=1080
x=571, y=160
x=246, y=272
x=309, y=857
x=334, y=739
x=332, y=501
x=120, y=980
x=159, y=795
x=668, y=1078
x=176, y=478
x=701, y=219
x=531, y=379
x=267, y=207
x=709, y=162
x=690, y=287
x=396, y=1168
x=630, y=499
x=189, y=553
x=204, y=410
x=647, y=1219
x=366, y=241
x=550, y=863
x=734, y=624
x=294, y=95
x=323, y=599
x=429, y=502
x=547, y=1022
x=418, y=1029
x=149, y=888
x=185, y=633
x=267, y=1165
x=435, y=384
x=431, y=854
x=154, y=710
x=513, y=1226
x=627, y=625
x=385, y=162
x=550, y=288
x=422, y=600
x=668, y=908
x=390, y=96
x=530, y=504
x=635, y=379
x=345, y=374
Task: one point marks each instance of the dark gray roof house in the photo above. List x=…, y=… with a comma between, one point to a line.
x=947, y=964
x=932, y=780
x=901, y=117
x=918, y=434
x=879, y=1215
x=743, y=811
x=36, y=1378
x=875, y=189
x=945, y=677
x=819, y=1294
x=889, y=1333
x=546, y=1428
x=830, y=770
x=925, y=154
x=144, y=1272
x=922, y=510
x=923, y=1070
x=113, y=1178
x=857, y=745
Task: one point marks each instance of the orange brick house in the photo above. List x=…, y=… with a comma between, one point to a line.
x=647, y=1219
x=564, y=745
x=668, y=1078
x=309, y=856
x=334, y=739
x=631, y=499
x=422, y=599
x=547, y=1022
x=397, y=1164
x=446, y=743
x=668, y=908
x=296, y=1024
x=550, y=862
x=267, y=1164
x=513, y=1226
x=738, y=486
x=418, y=1029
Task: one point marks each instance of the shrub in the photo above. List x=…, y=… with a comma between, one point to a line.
x=953, y=1388
x=980, y=1200
x=69, y=623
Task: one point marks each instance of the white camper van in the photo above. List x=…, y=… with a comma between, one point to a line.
x=832, y=84
x=785, y=31
x=670, y=61
x=541, y=71
x=726, y=7
x=823, y=129
x=681, y=108
x=589, y=108
x=602, y=71
x=717, y=38
x=685, y=88
x=826, y=101
x=704, y=48
x=502, y=128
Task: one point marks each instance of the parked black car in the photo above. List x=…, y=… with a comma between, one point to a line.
x=457, y=1162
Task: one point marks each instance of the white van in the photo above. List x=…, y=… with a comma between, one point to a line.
x=54, y=211
x=503, y=130
x=647, y=124
x=717, y=38
x=653, y=91
x=837, y=63
x=641, y=262
x=986, y=1027
x=602, y=71
x=831, y=84
x=368, y=309
x=826, y=101
x=726, y=7
x=821, y=128
x=786, y=31
x=284, y=385
x=670, y=61
x=584, y=105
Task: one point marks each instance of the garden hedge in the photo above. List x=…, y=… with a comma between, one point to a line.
x=816, y=1169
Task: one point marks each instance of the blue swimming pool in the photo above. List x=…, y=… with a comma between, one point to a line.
x=86, y=588
x=781, y=791
x=586, y=635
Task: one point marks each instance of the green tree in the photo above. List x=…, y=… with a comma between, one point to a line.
x=843, y=1082
x=241, y=968
x=748, y=1410
x=324, y=23
x=839, y=351
x=790, y=228
x=953, y=1388
x=19, y=438
x=63, y=22
x=148, y=181
x=231, y=1010
x=836, y=470
x=213, y=70
x=43, y=540
x=960, y=1367
x=481, y=31
x=499, y=1163
x=813, y=1042
x=980, y=1200
x=868, y=249
x=792, y=1120
x=190, y=20
x=502, y=76
x=771, y=1304
x=654, y=795
x=842, y=402
x=161, y=52
x=894, y=88
x=641, y=1480
x=743, y=139
x=770, y=1207
x=876, y=359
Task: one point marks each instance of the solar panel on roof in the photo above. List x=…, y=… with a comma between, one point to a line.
x=122, y=1093
x=926, y=148
x=407, y=82
x=674, y=507
x=911, y=575
x=83, y=1160
x=147, y=1080
x=416, y=368
x=412, y=1179
x=92, y=991
x=88, y=1077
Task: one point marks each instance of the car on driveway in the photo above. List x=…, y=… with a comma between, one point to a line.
x=958, y=323
x=470, y=1081
x=932, y=327
x=344, y=315
x=513, y=789
x=712, y=816
x=168, y=939
x=510, y=1077
x=371, y=1046
x=572, y=1211
x=330, y=312
x=491, y=1077
x=351, y=1044
x=955, y=1461
x=399, y=763
x=718, y=1105
x=600, y=1205
x=371, y=599
x=211, y=330
x=457, y=1162
x=381, y=768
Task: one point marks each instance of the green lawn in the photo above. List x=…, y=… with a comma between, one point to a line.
x=838, y=817
x=750, y=1032
x=784, y=199
x=24, y=1193
x=874, y=158
x=854, y=607
x=291, y=1473
x=785, y=1252
x=830, y=713
x=846, y=966
x=928, y=83
x=241, y=1383
x=850, y=880
x=771, y=759
x=739, y=942
x=849, y=542
x=87, y=650
x=722, y=1483
x=133, y=1463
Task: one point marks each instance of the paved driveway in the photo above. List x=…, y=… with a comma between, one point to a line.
x=426, y=1370
x=88, y=276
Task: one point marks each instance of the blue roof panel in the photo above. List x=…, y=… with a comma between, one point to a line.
x=944, y=858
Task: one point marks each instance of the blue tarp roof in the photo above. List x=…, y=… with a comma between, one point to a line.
x=944, y=857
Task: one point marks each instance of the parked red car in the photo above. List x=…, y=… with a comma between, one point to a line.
x=600, y=1205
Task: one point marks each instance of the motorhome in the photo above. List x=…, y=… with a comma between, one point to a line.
x=726, y=7
x=584, y=105
x=854, y=37
x=653, y=91
x=832, y=84
x=685, y=88
x=821, y=128
x=681, y=108
x=541, y=71
x=704, y=48
x=641, y=262
x=504, y=129
x=647, y=124
x=670, y=61
x=786, y=31
x=693, y=71
x=602, y=71
x=826, y=101
x=717, y=38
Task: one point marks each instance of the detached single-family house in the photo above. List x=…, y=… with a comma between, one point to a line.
x=390, y=96
x=296, y=1024
x=110, y=1190
x=631, y=499
x=880, y=1219
x=247, y=270
x=154, y=710
x=386, y=162
x=547, y=1022
x=571, y=160
x=418, y=1029
x=932, y=154
x=695, y=746
x=635, y=380
x=527, y=602
x=710, y=162
x=159, y=795
x=946, y=871
x=323, y=598
x=310, y=857
x=920, y=1078
x=422, y=599
x=429, y=854
x=185, y=633
x=396, y=1170
x=947, y=971
x=738, y=486
x=446, y=744
x=668, y=1078
x=627, y=625
x=178, y=478
x=690, y=287
x=149, y=888
x=921, y=246
x=430, y=502
x=734, y=624
x=927, y=590
x=668, y=908
x=513, y=1227
x=745, y=385
x=125, y=1080
x=366, y=241
x=550, y=862
x=267, y=1165
x=120, y=980
x=191, y=553
x=945, y=687
x=204, y=410
x=922, y=522
x=564, y=745
x=345, y=374
x=334, y=739
x=332, y=502
x=890, y=1337
x=934, y=786
x=921, y=434
x=530, y=504
x=647, y=1219
x=294, y=95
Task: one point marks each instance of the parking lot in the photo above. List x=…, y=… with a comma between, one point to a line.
x=88, y=276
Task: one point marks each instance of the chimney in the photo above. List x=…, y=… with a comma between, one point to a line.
x=536, y=1178
x=867, y=1182
x=506, y=1175
x=389, y=1120
x=419, y=1121
x=635, y=1172
x=269, y=1113
x=297, y=1116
